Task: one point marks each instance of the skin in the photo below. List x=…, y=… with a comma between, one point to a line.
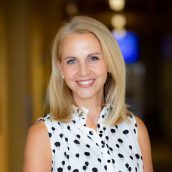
x=37, y=155
x=145, y=145
x=85, y=72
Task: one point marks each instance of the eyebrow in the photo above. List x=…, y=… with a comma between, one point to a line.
x=93, y=54
x=69, y=57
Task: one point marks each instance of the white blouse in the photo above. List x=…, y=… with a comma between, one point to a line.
x=77, y=148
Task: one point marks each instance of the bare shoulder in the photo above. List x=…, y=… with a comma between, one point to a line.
x=38, y=131
x=141, y=126
x=145, y=145
x=142, y=131
x=37, y=155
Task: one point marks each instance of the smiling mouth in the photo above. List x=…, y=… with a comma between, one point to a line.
x=86, y=83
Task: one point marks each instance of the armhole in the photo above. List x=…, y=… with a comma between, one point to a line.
x=135, y=126
x=48, y=125
x=133, y=121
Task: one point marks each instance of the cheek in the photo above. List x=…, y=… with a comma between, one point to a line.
x=103, y=73
x=68, y=73
x=103, y=69
x=70, y=70
x=65, y=70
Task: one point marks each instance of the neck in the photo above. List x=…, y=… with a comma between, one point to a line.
x=94, y=104
x=91, y=104
x=94, y=107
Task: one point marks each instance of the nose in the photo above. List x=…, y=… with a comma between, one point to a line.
x=84, y=70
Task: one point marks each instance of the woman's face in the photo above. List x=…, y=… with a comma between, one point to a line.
x=83, y=66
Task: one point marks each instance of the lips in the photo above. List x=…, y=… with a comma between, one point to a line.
x=86, y=83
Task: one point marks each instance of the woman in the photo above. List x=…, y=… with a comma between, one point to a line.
x=89, y=127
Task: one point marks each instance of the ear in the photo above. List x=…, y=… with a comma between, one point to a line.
x=59, y=65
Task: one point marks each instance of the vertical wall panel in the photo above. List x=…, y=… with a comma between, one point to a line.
x=3, y=97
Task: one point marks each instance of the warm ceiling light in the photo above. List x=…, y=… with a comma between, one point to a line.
x=117, y=5
x=118, y=21
x=71, y=8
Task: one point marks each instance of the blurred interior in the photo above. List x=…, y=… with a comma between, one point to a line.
x=27, y=28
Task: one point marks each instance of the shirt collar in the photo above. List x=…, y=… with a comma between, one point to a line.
x=80, y=113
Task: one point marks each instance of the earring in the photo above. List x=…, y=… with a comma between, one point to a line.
x=62, y=76
x=109, y=73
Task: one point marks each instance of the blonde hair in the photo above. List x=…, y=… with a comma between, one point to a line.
x=60, y=96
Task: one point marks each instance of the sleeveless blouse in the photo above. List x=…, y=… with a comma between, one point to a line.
x=77, y=148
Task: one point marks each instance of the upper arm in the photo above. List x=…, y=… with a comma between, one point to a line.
x=145, y=146
x=37, y=155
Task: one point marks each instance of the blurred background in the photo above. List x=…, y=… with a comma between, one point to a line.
x=143, y=29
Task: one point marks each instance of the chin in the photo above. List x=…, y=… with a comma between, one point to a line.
x=86, y=94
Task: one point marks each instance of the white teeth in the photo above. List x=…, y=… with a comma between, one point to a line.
x=85, y=82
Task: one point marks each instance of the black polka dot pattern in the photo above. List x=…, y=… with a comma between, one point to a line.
x=77, y=148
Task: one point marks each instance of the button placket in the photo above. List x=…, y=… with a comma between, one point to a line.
x=104, y=149
x=98, y=136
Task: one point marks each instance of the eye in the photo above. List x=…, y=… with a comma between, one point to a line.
x=71, y=61
x=93, y=58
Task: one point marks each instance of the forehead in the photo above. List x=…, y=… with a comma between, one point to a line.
x=81, y=38
x=79, y=42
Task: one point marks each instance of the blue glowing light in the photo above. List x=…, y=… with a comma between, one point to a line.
x=129, y=45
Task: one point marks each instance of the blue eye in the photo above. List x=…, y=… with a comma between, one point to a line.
x=71, y=61
x=93, y=58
